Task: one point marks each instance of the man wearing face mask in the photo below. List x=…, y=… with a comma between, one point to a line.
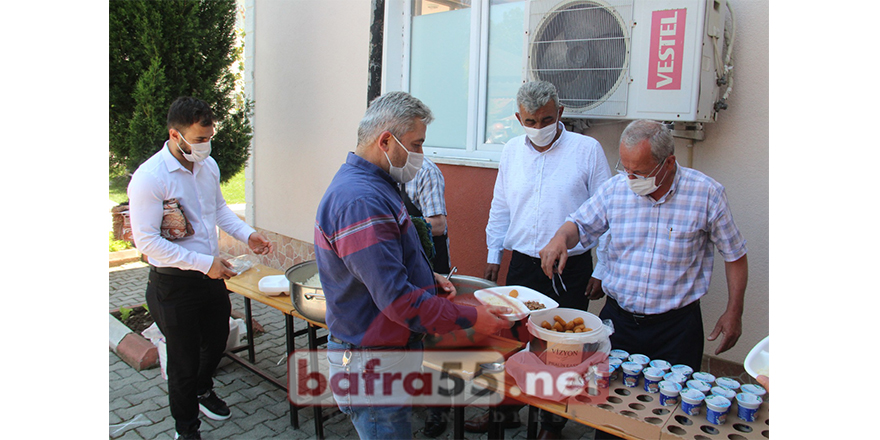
x=664, y=223
x=186, y=292
x=542, y=177
x=381, y=294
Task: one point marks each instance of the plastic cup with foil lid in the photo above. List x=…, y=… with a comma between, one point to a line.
x=614, y=367
x=705, y=377
x=639, y=359
x=753, y=389
x=653, y=376
x=691, y=401
x=703, y=387
x=619, y=354
x=747, y=405
x=631, y=372
x=727, y=382
x=675, y=377
x=683, y=369
x=719, y=390
x=669, y=392
x=716, y=409
x=661, y=364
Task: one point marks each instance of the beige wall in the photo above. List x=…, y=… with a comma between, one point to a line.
x=309, y=83
x=310, y=88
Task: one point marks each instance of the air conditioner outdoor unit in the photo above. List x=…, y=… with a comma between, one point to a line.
x=612, y=59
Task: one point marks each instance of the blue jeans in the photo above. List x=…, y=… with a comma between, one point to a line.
x=373, y=415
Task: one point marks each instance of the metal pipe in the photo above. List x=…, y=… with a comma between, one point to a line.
x=377, y=36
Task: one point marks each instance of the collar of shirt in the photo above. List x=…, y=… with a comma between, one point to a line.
x=369, y=167
x=173, y=164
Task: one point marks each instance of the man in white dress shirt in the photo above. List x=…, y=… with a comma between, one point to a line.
x=186, y=292
x=543, y=176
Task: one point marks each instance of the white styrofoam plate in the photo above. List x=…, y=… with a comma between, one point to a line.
x=274, y=285
x=500, y=296
x=758, y=360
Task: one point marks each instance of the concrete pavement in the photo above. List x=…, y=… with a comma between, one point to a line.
x=139, y=399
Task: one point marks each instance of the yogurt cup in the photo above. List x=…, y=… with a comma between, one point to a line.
x=661, y=364
x=727, y=393
x=716, y=409
x=675, y=377
x=653, y=376
x=727, y=382
x=699, y=385
x=669, y=393
x=631, y=372
x=683, y=369
x=639, y=359
x=753, y=389
x=691, y=401
x=705, y=377
x=747, y=405
x=614, y=368
x=619, y=354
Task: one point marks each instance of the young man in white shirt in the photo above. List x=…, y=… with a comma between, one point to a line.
x=543, y=176
x=186, y=292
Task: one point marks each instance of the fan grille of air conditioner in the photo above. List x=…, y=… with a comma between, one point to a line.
x=582, y=47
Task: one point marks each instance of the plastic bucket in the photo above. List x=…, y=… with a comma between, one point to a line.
x=567, y=349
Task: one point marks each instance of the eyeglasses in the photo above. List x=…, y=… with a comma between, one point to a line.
x=621, y=170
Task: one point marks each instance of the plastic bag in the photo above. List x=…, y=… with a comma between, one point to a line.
x=242, y=263
x=236, y=328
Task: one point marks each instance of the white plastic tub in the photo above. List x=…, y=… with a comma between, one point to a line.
x=567, y=349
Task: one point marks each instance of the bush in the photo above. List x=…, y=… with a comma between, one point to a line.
x=160, y=50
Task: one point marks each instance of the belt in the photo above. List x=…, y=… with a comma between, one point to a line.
x=658, y=317
x=173, y=271
x=413, y=338
x=538, y=260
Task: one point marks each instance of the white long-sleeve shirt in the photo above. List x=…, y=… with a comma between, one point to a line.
x=535, y=192
x=162, y=177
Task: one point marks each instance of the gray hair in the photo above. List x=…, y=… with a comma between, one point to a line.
x=657, y=134
x=536, y=94
x=394, y=112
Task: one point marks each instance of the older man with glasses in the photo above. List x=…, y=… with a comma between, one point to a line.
x=664, y=223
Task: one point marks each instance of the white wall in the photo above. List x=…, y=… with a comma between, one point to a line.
x=310, y=78
x=735, y=152
x=310, y=89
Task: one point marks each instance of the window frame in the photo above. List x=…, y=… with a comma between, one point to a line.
x=397, y=48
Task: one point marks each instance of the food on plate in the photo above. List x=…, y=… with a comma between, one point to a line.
x=534, y=305
x=503, y=301
x=576, y=325
x=514, y=293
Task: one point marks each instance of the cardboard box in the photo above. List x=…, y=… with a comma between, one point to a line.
x=682, y=426
x=636, y=414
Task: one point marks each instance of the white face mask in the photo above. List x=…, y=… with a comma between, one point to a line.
x=199, y=153
x=541, y=137
x=642, y=185
x=408, y=171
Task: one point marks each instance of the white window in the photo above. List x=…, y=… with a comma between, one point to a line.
x=463, y=58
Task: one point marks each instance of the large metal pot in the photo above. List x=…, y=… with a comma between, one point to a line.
x=308, y=301
x=468, y=284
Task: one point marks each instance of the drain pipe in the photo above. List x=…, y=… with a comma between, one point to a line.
x=377, y=36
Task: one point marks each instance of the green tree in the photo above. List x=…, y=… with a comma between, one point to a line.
x=160, y=50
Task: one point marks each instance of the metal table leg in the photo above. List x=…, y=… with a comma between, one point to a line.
x=291, y=348
x=249, y=324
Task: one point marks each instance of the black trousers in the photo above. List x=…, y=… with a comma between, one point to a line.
x=675, y=336
x=526, y=271
x=193, y=314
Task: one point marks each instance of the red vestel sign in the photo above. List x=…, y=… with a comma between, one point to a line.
x=667, y=43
